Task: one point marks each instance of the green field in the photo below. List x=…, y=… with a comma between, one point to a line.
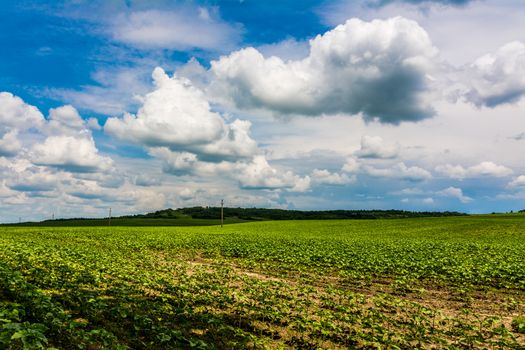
x=454, y=282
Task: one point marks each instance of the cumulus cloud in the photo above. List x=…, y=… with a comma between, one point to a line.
x=351, y=165
x=182, y=29
x=481, y=169
x=136, y=199
x=489, y=169
x=179, y=163
x=65, y=120
x=147, y=180
x=454, y=192
x=67, y=143
x=112, y=178
x=255, y=173
x=35, y=180
x=185, y=163
x=148, y=200
x=92, y=123
x=452, y=171
x=258, y=174
x=375, y=147
x=518, y=181
x=5, y=192
x=76, y=154
x=15, y=113
x=399, y=171
x=177, y=115
x=377, y=68
x=325, y=177
x=9, y=144
x=186, y=193
x=497, y=78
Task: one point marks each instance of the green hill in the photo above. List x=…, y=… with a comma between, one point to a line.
x=207, y=216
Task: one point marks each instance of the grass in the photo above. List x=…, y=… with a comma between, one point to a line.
x=454, y=282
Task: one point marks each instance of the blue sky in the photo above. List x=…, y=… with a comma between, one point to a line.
x=142, y=105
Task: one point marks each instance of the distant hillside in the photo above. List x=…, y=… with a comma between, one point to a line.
x=202, y=216
x=254, y=214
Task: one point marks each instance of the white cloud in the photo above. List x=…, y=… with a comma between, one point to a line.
x=92, y=123
x=176, y=163
x=65, y=120
x=185, y=164
x=482, y=169
x=452, y=171
x=375, y=147
x=454, y=192
x=177, y=115
x=35, y=180
x=428, y=200
x=72, y=153
x=147, y=180
x=399, y=171
x=325, y=177
x=9, y=144
x=186, y=194
x=518, y=181
x=446, y=25
x=146, y=200
x=62, y=141
x=5, y=192
x=258, y=174
x=497, y=78
x=351, y=165
x=182, y=29
x=235, y=143
x=489, y=169
x=15, y=113
x=127, y=197
x=254, y=174
x=376, y=68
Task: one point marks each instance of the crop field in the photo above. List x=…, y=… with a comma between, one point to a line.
x=454, y=282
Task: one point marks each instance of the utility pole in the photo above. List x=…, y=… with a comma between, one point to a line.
x=222, y=212
x=109, y=217
x=53, y=216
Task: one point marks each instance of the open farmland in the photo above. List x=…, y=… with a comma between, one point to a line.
x=454, y=282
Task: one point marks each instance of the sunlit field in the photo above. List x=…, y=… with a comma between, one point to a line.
x=456, y=282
